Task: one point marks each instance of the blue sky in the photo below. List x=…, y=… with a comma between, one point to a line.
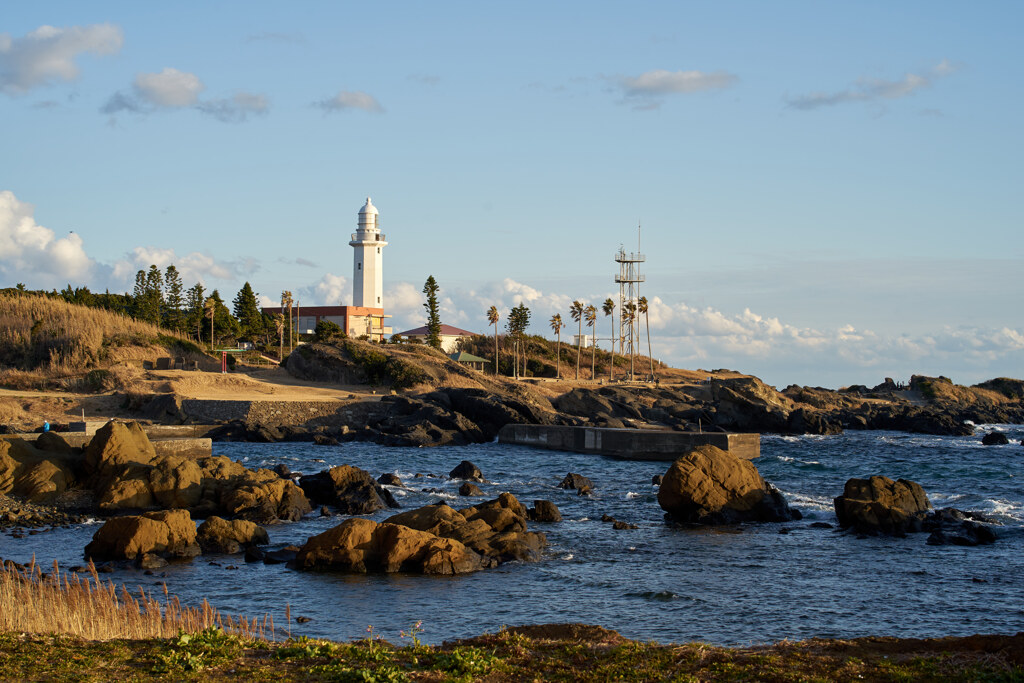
x=828, y=193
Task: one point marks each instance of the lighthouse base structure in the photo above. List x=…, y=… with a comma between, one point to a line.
x=354, y=321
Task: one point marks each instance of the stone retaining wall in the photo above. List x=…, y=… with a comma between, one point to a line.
x=303, y=413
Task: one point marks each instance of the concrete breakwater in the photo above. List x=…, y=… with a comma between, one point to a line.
x=166, y=440
x=628, y=444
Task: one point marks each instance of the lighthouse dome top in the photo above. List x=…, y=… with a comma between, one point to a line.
x=368, y=208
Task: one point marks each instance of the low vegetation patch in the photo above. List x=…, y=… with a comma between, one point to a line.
x=382, y=366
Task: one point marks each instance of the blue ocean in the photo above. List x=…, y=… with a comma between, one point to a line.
x=738, y=585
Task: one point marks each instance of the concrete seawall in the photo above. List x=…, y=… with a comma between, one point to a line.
x=186, y=447
x=628, y=444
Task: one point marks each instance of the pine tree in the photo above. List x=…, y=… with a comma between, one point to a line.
x=154, y=294
x=430, y=288
x=194, y=299
x=173, y=299
x=247, y=311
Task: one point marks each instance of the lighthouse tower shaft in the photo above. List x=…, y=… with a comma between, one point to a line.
x=368, y=262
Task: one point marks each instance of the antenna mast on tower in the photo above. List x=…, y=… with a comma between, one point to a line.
x=629, y=279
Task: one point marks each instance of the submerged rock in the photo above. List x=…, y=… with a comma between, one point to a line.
x=712, y=486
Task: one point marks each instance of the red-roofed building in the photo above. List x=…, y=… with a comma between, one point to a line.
x=355, y=321
x=450, y=336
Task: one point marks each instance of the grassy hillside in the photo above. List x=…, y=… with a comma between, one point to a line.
x=44, y=339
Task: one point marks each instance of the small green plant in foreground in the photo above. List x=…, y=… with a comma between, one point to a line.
x=197, y=651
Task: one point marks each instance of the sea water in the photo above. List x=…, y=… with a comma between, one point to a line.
x=752, y=583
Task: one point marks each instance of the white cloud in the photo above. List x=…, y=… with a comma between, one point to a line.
x=194, y=267
x=32, y=253
x=347, y=99
x=172, y=89
x=874, y=89
x=662, y=82
x=330, y=290
x=48, y=54
x=169, y=88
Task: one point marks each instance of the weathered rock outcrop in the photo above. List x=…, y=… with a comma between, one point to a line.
x=349, y=489
x=881, y=505
x=37, y=476
x=362, y=546
x=435, y=539
x=169, y=534
x=995, y=439
x=218, y=535
x=712, y=486
x=118, y=444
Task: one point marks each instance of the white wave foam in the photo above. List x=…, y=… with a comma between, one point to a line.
x=633, y=494
x=785, y=458
x=567, y=556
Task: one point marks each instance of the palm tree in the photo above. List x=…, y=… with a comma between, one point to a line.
x=609, y=309
x=279, y=327
x=557, y=325
x=492, y=318
x=590, y=315
x=630, y=316
x=576, y=311
x=643, y=308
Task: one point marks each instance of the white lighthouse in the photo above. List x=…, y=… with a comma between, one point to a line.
x=368, y=264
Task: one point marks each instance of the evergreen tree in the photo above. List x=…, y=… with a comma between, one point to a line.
x=430, y=288
x=154, y=295
x=194, y=300
x=225, y=326
x=173, y=299
x=139, y=299
x=247, y=312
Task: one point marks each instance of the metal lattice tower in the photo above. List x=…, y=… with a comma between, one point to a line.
x=629, y=279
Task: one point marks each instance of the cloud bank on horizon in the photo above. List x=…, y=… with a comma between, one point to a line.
x=682, y=335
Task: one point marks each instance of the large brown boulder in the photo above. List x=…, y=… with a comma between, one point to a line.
x=167, y=533
x=176, y=482
x=42, y=482
x=218, y=535
x=881, y=505
x=34, y=475
x=266, y=501
x=125, y=488
x=352, y=490
x=712, y=486
x=361, y=545
x=115, y=444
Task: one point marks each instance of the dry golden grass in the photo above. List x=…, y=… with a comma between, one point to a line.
x=46, y=342
x=86, y=607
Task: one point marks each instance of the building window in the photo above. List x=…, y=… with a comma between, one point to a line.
x=378, y=299
x=378, y=250
x=359, y=266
